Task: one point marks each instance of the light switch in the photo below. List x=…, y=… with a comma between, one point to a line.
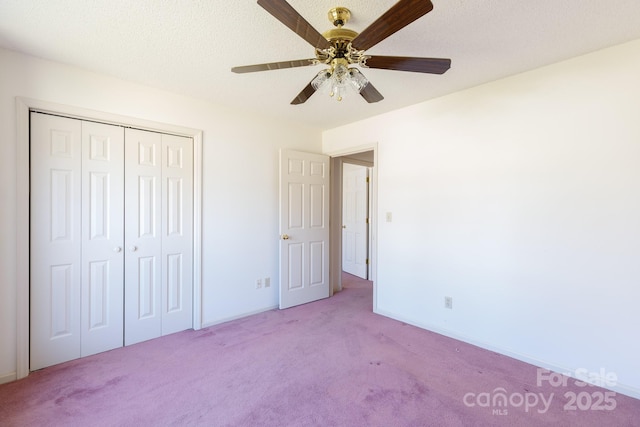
x=389, y=216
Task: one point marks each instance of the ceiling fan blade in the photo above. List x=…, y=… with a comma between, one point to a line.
x=304, y=95
x=286, y=14
x=405, y=63
x=371, y=94
x=272, y=66
x=399, y=16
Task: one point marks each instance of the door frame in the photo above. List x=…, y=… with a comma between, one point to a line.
x=335, y=238
x=23, y=108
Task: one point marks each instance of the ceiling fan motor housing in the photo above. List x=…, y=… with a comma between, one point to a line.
x=340, y=39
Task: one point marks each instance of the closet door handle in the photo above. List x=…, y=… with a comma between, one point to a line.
x=133, y=248
x=117, y=249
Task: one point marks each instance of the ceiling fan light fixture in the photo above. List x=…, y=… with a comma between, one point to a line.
x=339, y=79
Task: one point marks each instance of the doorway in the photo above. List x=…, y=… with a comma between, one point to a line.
x=366, y=156
x=355, y=218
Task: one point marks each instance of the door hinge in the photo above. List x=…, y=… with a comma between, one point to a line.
x=367, y=179
x=367, y=261
x=367, y=221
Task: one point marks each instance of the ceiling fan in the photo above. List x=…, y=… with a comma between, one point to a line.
x=340, y=47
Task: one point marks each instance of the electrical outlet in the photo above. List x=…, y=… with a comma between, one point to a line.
x=258, y=283
x=267, y=282
x=448, y=302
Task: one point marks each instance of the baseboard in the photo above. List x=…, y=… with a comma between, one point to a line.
x=621, y=388
x=240, y=316
x=7, y=378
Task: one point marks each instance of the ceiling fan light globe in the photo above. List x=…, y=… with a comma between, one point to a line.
x=321, y=79
x=357, y=80
x=340, y=74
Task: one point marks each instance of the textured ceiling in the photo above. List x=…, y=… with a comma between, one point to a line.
x=189, y=46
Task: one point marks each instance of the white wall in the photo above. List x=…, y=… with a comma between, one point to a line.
x=240, y=182
x=521, y=200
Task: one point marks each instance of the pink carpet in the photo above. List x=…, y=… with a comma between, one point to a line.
x=328, y=363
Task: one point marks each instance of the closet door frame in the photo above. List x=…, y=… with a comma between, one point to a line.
x=23, y=108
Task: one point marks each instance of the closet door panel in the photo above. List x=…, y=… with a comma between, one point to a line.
x=143, y=236
x=55, y=240
x=102, y=237
x=177, y=231
x=111, y=237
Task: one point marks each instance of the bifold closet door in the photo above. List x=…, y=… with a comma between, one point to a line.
x=158, y=234
x=76, y=233
x=102, y=301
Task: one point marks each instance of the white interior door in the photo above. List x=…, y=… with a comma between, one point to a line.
x=354, y=219
x=304, y=227
x=177, y=232
x=96, y=282
x=143, y=241
x=158, y=230
x=55, y=240
x=76, y=239
x=102, y=237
